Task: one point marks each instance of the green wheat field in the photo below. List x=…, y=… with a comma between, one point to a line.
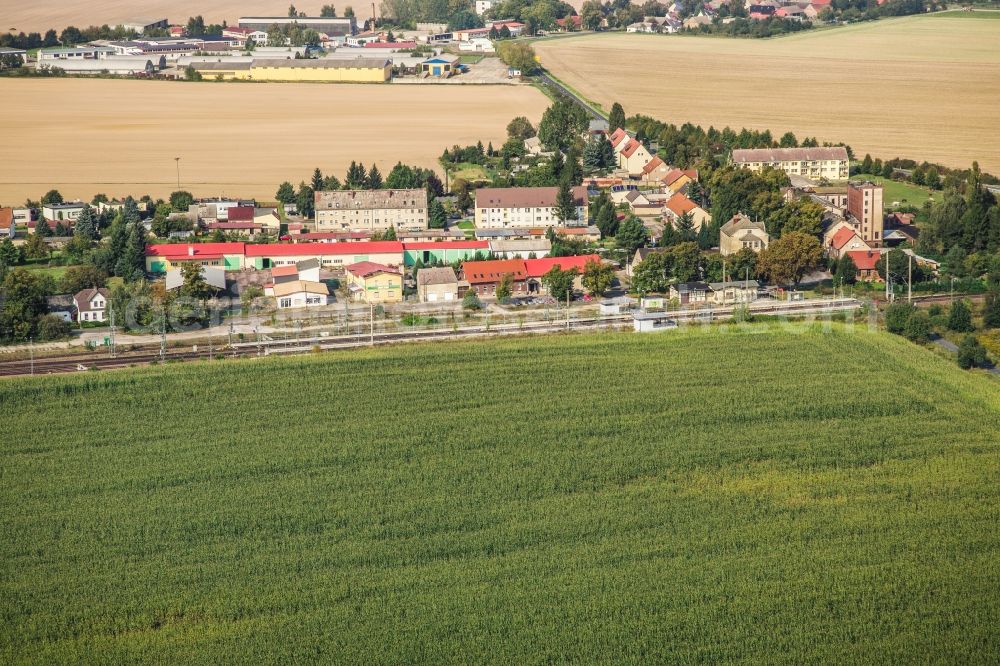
x=762, y=496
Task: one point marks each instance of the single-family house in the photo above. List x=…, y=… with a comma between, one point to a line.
x=866, y=262
x=63, y=211
x=7, y=227
x=678, y=205
x=91, y=304
x=655, y=170
x=437, y=285
x=742, y=233
x=846, y=239
x=633, y=156
x=370, y=282
x=300, y=294
x=676, y=180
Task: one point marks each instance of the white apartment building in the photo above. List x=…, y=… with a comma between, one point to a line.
x=501, y=207
x=831, y=163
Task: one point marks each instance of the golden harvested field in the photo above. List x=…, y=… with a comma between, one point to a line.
x=925, y=87
x=120, y=137
x=39, y=15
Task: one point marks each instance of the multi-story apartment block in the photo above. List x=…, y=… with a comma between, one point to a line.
x=831, y=163
x=864, y=204
x=501, y=207
x=371, y=210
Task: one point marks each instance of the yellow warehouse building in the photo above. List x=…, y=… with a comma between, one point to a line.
x=359, y=70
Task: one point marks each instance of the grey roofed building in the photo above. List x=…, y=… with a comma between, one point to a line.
x=520, y=246
x=740, y=222
x=215, y=277
x=444, y=275
x=227, y=66
x=140, y=25
x=729, y=284
x=690, y=287
x=110, y=64
x=789, y=154
x=332, y=26
x=596, y=126
x=82, y=52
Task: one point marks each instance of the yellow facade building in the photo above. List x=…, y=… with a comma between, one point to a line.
x=369, y=282
x=358, y=70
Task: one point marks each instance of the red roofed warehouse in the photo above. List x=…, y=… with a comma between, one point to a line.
x=484, y=276
x=161, y=258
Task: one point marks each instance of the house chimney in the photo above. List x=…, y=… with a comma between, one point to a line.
x=190, y=250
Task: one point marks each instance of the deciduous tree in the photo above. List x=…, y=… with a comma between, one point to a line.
x=789, y=258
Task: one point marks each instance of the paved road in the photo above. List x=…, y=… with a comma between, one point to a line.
x=551, y=82
x=953, y=348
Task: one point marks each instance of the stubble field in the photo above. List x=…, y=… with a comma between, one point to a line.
x=121, y=137
x=40, y=15
x=778, y=495
x=925, y=87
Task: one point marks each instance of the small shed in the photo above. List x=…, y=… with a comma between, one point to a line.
x=650, y=322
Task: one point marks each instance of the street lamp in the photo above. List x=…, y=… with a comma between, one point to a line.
x=177, y=160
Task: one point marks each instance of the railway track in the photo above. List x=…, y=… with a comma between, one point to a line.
x=83, y=363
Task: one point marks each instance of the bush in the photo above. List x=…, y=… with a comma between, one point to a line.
x=471, y=301
x=960, y=318
x=896, y=316
x=52, y=327
x=918, y=327
x=971, y=354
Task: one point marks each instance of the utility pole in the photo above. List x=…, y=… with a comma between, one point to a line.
x=568, y=293
x=31, y=353
x=371, y=321
x=163, y=337
x=112, y=337
x=909, y=279
x=177, y=161
x=886, y=257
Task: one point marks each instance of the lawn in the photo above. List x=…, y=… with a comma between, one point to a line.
x=55, y=272
x=756, y=496
x=469, y=172
x=905, y=193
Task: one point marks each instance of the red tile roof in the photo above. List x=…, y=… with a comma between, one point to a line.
x=284, y=271
x=301, y=249
x=842, y=237
x=616, y=136
x=241, y=214
x=680, y=204
x=652, y=165
x=864, y=260
x=484, y=272
x=6, y=218
x=366, y=268
x=199, y=250
x=630, y=148
x=536, y=268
